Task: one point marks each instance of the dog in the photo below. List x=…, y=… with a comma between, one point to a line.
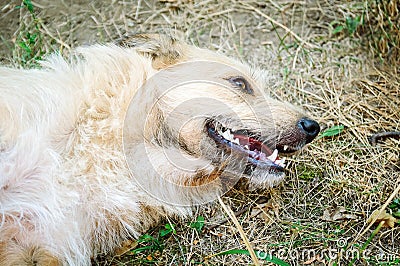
x=98, y=147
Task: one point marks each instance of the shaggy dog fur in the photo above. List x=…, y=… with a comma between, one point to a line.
x=89, y=144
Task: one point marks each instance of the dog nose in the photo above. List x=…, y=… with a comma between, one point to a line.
x=310, y=127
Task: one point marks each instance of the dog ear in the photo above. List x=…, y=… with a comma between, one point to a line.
x=164, y=50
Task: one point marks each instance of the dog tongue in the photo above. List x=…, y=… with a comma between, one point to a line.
x=253, y=144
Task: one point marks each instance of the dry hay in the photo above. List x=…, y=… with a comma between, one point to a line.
x=382, y=28
x=337, y=182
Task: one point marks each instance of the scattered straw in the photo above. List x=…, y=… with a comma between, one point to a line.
x=297, y=37
x=240, y=229
x=381, y=210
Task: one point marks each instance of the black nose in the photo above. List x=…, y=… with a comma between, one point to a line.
x=310, y=127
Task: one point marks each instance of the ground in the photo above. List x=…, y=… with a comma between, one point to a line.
x=325, y=55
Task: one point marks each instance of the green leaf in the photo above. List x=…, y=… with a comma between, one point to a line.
x=333, y=131
x=146, y=238
x=25, y=47
x=261, y=255
x=32, y=38
x=352, y=24
x=28, y=4
x=337, y=29
x=199, y=224
x=395, y=204
x=169, y=228
x=164, y=232
x=138, y=250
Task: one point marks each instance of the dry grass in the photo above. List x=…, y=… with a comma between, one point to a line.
x=323, y=65
x=382, y=29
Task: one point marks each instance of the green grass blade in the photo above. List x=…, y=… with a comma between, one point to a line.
x=199, y=224
x=141, y=249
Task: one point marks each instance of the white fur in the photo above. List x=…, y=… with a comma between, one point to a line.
x=66, y=192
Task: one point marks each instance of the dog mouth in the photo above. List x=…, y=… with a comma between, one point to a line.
x=247, y=144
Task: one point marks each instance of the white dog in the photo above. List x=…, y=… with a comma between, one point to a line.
x=96, y=148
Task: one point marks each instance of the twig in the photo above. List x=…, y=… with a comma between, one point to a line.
x=383, y=135
x=242, y=234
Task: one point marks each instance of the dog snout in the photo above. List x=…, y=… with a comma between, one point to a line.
x=309, y=127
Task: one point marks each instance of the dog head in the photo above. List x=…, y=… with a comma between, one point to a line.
x=212, y=119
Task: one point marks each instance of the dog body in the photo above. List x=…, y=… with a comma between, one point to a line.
x=87, y=152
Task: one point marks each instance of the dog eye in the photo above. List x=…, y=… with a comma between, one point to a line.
x=242, y=84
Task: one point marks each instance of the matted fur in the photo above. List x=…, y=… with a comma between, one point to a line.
x=66, y=191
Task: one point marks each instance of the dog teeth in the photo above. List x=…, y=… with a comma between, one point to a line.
x=219, y=130
x=281, y=162
x=285, y=147
x=227, y=135
x=273, y=156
